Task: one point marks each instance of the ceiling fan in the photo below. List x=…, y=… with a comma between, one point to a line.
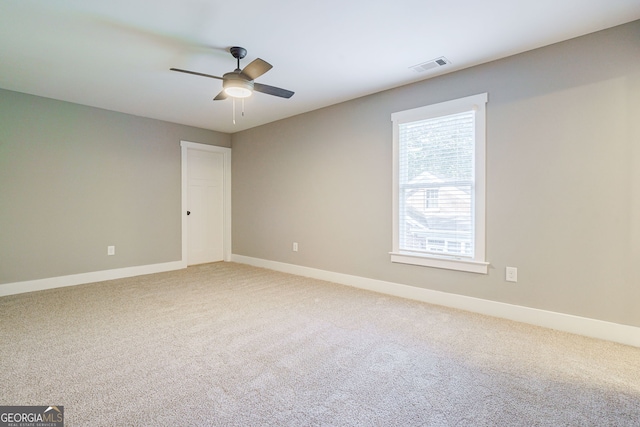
x=240, y=83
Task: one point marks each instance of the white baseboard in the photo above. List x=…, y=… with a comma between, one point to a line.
x=624, y=334
x=83, y=278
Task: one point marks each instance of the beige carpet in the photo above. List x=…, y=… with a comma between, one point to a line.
x=231, y=345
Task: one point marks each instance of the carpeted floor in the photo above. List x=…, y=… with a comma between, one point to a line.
x=232, y=345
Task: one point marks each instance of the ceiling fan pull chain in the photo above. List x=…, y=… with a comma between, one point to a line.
x=234, y=110
x=242, y=107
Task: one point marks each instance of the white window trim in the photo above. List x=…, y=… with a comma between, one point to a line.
x=478, y=264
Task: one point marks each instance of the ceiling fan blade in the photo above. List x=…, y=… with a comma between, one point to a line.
x=195, y=73
x=222, y=95
x=271, y=90
x=256, y=68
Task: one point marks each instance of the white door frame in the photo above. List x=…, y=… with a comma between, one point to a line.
x=226, y=196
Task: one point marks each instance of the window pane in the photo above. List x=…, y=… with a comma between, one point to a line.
x=436, y=185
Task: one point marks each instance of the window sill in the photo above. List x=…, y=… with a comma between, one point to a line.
x=446, y=263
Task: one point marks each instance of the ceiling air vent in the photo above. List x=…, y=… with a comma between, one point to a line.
x=429, y=65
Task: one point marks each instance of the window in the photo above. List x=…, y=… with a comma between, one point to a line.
x=439, y=185
x=431, y=198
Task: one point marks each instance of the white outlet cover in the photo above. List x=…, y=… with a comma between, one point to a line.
x=511, y=274
x=111, y=250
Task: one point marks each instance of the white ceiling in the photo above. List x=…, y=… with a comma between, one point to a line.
x=116, y=54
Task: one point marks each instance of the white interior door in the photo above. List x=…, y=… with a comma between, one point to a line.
x=205, y=206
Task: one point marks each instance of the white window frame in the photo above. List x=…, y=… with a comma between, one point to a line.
x=478, y=263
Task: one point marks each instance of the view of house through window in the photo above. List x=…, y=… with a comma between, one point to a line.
x=439, y=166
x=436, y=183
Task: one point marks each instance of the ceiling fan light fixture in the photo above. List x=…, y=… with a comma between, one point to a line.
x=237, y=87
x=237, y=92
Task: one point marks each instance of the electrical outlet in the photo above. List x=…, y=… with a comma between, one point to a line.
x=111, y=250
x=295, y=246
x=511, y=274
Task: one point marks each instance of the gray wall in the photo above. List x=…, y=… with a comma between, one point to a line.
x=75, y=179
x=563, y=181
